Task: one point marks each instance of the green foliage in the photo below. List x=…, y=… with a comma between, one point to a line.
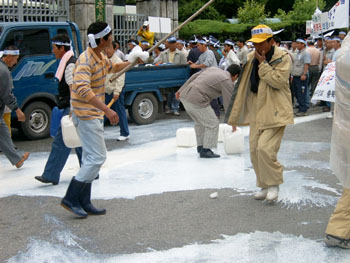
x=223, y=30
x=189, y=8
x=252, y=12
x=302, y=10
x=130, y=2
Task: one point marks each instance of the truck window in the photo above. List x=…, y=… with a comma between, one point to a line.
x=29, y=41
x=62, y=31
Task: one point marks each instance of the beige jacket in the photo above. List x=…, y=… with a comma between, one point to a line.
x=179, y=58
x=117, y=85
x=274, y=101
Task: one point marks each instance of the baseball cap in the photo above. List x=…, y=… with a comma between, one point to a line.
x=261, y=33
x=172, y=39
x=146, y=23
x=301, y=41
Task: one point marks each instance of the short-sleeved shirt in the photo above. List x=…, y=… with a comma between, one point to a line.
x=207, y=58
x=89, y=81
x=303, y=57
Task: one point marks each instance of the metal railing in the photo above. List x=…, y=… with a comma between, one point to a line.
x=34, y=11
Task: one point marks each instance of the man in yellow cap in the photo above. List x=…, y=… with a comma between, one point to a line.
x=262, y=100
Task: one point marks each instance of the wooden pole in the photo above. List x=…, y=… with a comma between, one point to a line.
x=118, y=74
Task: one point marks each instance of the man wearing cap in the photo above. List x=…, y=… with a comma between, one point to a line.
x=157, y=52
x=300, y=72
x=336, y=46
x=174, y=56
x=145, y=33
x=262, y=100
x=242, y=51
x=88, y=110
x=196, y=95
x=231, y=57
x=212, y=46
x=194, y=53
x=342, y=35
x=8, y=60
x=206, y=59
x=61, y=47
x=180, y=45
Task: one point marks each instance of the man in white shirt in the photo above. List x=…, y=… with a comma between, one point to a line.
x=231, y=57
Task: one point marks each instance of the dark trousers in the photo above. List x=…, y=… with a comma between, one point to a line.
x=119, y=108
x=314, y=75
x=299, y=88
x=58, y=156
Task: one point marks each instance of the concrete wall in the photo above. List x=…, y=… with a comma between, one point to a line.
x=82, y=12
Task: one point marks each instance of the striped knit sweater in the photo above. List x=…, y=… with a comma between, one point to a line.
x=89, y=81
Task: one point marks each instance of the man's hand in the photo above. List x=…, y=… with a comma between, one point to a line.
x=189, y=62
x=234, y=128
x=112, y=116
x=177, y=95
x=20, y=115
x=259, y=57
x=192, y=65
x=303, y=77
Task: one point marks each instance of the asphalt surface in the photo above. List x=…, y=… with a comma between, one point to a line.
x=168, y=220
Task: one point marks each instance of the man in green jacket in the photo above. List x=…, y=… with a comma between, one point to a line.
x=262, y=100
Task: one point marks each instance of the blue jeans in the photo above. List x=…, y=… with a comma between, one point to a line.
x=58, y=156
x=173, y=103
x=91, y=137
x=299, y=88
x=119, y=108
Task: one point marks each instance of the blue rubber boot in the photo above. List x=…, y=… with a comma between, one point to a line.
x=71, y=199
x=85, y=201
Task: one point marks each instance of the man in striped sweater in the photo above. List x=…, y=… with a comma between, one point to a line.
x=88, y=109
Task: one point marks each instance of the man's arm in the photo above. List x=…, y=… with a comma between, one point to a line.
x=110, y=114
x=6, y=94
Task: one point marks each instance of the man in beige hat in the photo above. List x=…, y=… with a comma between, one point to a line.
x=262, y=100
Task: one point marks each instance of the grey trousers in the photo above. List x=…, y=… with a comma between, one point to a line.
x=6, y=144
x=206, y=124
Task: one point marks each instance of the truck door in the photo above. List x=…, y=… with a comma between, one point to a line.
x=33, y=78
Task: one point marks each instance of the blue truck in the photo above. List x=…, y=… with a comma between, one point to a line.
x=35, y=85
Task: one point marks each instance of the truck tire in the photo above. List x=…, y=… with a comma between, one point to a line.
x=37, y=123
x=144, y=109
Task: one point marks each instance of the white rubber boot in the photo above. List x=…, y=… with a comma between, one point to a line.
x=272, y=193
x=261, y=195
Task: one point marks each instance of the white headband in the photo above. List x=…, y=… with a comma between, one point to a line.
x=228, y=42
x=99, y=35
x=58, y=43
x=11, y=52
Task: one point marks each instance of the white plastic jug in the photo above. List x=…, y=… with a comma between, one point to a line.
x=222, y=128
x=233, y=141
x=69, y=133
x=186, y=137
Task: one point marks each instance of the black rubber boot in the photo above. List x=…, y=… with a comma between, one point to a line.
x=85, y=201
x=207, y=153
x=199, y=148
x=71, y=200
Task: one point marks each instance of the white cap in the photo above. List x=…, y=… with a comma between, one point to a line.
x=146, y=23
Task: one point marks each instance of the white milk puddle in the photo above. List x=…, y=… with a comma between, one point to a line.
x=160, y=166
x=243, y=248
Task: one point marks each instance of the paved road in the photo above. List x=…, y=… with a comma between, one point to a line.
x=173, y=219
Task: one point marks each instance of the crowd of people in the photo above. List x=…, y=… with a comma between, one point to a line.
x=256, y=85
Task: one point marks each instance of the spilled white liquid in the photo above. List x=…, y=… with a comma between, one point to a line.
x=160, y=166
x=256, y=247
